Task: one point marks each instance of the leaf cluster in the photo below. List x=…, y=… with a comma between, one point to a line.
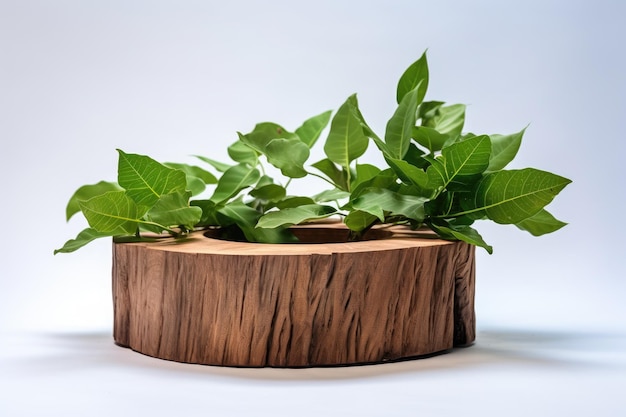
x=435, y=176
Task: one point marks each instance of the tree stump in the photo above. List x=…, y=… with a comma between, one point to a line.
x=215, y=302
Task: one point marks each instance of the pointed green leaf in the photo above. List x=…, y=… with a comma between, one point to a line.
x=400, y=126
x=353, y=105
x=173, y=210
x=409, y=174
x=293, y=201
x=242, y=153
x=541, y=223
x=145, y=180
x=86, y=192
x=312, y=128
x=460, y=164
x=384, y=179
x=264, y=180
x=346, y=140
x=196, y=177
x=235, y=179
x=447, y=202
x=416, y=157
x=463, y=233
x=364, y=172
x=193, y=171
x=428, y=109
x=336, y=175
x=357, y=220
x=269, y=192
x=295, y=215
x=246, y=218
x=219, y=166
x=209, y=213
x=509, y=197
x=331, y=195
x=195, y=185
x=414, y=76
x=86, y=236
x=380, y=201
x=429, y=138
x=112, y=212
x=503, y=149
x=263, y=134
x=448, y=120
x=288, y=155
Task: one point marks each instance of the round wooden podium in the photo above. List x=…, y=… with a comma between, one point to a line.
x=209, y=301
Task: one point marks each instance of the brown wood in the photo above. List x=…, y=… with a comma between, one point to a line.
x=217, y=302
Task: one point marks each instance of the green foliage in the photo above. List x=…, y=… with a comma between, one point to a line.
x=400, y=126
x=346, y=139
x=295, y=215
x=435, y=176
x=85, y=193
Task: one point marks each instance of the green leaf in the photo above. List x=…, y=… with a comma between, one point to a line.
x=293, y=201
x=336, y=175
x=145, y=180
x=235, y=179
x=380, y=201
x=173, y=210
x=295, y=215
x=384, y=179
x=364, y=172
x=409, y=174
x=357, y=220
x=196, y=177
x=541, y=223
x=353, y=105
x=263, y=134
x=269, y=192
x=428, y=109
x=509, y=197
x=416, y=157
x=448, y=120
x=209, y=213
x=460, y=164
x=263, y=181
x=429, y=138
x=346, y=140
x=312, y=128
x=86, y=192
x=503, y=149
x=414, y=76
x=193, y=171
x=242, y=153
x=219, y=166
x=112, y=212
x=86, y=236
x=463, y=233
x=288, y=155
x=246, y=219
x=447, y=202
x=331, y=195
x=400, y=126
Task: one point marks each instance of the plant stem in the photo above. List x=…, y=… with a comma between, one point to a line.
x=325, y=179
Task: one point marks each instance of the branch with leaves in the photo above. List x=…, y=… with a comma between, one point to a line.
x=435, y=176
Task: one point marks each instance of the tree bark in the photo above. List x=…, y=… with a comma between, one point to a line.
x=216, y=302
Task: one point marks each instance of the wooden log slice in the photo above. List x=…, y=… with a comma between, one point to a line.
x=215, y=302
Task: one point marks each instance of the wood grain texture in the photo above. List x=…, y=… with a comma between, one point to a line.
x=216, y=302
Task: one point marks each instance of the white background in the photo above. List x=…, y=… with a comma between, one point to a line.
x=79, y=79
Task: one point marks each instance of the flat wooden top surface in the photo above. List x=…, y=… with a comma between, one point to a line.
x=396, y=237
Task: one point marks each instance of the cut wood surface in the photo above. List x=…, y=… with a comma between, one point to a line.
x=216, y=302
